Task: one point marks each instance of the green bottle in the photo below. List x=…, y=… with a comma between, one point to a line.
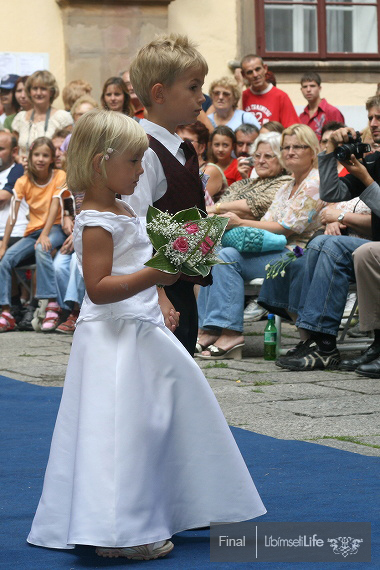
x=270, y=339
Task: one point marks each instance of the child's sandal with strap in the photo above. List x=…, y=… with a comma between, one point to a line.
x=7, y=322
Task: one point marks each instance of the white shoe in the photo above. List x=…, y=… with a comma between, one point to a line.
x=253, y=311
x=143, y=552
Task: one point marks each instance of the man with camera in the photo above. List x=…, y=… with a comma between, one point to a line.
x=319, y=281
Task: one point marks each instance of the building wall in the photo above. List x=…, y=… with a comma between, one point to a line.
x=94, y=40
x=35, y=25
x=213, y=26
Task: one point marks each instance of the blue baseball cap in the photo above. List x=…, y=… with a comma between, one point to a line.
x=8, y=81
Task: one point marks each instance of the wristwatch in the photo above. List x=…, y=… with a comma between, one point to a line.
x=340, y=217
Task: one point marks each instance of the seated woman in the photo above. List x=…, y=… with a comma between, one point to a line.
x=225, y=94
x=250, y=198
x=293, y=213
x=223, y=143
x=42, y=119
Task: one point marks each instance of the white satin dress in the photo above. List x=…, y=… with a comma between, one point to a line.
x=141, y=449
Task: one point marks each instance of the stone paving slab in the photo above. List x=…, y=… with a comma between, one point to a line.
x=356, y=384
x=348, y=446
x=334, y=407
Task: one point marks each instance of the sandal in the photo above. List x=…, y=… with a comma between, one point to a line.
x=51, y=321
x=199, y=348
x=217, y=353
x=143, y=552
x=9, y=324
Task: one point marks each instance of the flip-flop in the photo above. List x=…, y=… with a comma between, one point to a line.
x=217, y=353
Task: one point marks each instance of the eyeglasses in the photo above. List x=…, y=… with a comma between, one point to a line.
x=266, y=157
x=296, y=147
x=222, y=94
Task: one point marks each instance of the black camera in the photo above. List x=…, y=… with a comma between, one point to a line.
x=355, y=147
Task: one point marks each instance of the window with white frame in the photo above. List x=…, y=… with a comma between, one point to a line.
x=318, y=28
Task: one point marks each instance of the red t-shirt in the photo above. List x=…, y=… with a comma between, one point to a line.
x=274, y=105
x=231, y=173
x=325, y=114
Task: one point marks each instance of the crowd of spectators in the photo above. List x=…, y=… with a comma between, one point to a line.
x=258, y=159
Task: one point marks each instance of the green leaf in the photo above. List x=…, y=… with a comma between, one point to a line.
x=158, y=240
x=159, y=261
x=152, y=213
x=190, y=215
x=187, y=270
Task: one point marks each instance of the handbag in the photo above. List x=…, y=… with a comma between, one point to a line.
x=253, y=240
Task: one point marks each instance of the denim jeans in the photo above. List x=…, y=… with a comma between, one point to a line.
x=328, y=272
x=46, y=288
x=69, y=281
x=221, y=305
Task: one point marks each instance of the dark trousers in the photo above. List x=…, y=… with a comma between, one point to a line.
x=181, y=294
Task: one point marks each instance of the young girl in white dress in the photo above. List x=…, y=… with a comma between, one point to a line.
x=141, y=449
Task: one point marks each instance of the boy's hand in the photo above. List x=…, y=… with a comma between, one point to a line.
x=68, y=225
x=45, y=243
x=171, y=316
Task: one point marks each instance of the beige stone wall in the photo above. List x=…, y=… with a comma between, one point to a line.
x=34, y=26
x=212, y=24
x=94, y=40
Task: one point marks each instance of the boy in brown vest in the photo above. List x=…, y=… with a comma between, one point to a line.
x=168, y=75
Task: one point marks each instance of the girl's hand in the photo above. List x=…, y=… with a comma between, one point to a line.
x=68, y=246
x=166, y=278
x=68, y=225
x=45, y=243
x=234, y=220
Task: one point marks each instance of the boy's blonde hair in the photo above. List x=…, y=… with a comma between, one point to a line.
x=162, y=61
x=95, y=133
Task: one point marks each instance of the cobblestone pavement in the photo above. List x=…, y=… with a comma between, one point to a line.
x=337, y=409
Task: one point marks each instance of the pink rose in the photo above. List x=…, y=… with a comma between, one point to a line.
x=206, y=245
x=192, y=228
x=180, y=244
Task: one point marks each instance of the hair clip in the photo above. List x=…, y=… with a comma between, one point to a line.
x=107, y=153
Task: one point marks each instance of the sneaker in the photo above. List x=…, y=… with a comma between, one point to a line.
x=253, y=311
x=312, y=360
x=300, y=349
x=68, y=327
x=143, y=552
x=25, y=324
x=39, y=315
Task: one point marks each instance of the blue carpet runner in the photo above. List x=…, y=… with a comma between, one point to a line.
x=297, y=481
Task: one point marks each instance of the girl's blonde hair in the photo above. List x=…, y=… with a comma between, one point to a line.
x=96, y=132
x=227, y=83
x=41, y=141
x=306, y=136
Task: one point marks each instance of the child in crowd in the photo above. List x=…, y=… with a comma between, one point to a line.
x=42, y=189
x=223, y=144
x=167, y=75
x=141, y=449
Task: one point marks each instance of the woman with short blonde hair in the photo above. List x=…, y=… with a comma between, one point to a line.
x=225, y=94
x=42, y=119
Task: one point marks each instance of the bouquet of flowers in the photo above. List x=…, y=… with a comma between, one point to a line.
x=184, y=242
x=279, y=266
